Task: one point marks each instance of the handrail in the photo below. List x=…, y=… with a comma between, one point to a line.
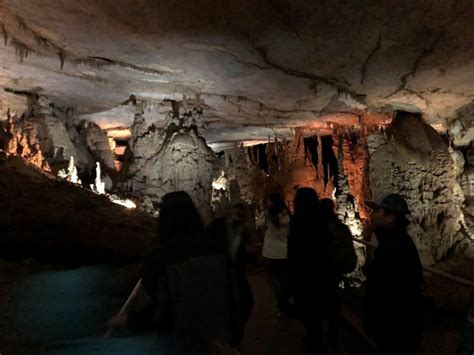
x=426, y=268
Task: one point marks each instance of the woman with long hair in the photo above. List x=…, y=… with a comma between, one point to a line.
x=275, y=222
x=185, y=281
x=310, y=272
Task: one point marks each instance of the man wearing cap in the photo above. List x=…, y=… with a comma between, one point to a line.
x=393, y=301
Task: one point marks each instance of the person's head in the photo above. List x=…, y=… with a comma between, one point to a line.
x=275, y=206
x=327, y=208
x=178, y=213
x=237, y=214
x=389, y=211
x=306, y=202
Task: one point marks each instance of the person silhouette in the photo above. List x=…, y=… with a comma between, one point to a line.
x=311, y=280
x=393, y=289
x=185, y=284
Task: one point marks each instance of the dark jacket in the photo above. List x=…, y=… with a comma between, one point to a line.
x=393, y=288
x=311, y=274
x=187, y=279
x=242, y=300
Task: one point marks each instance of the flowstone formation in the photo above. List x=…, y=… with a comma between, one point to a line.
x=412, y=159
x=178, y=159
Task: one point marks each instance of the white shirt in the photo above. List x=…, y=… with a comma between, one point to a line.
x=275, y=244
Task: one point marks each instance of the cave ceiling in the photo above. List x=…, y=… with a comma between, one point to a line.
x=255, y=67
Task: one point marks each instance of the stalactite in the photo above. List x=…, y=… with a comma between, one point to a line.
x=278, y=159
x=62, y=58
x=21, y=51
x=5, y=34
x=320, y=160
x=329, y=161
x=311, y=150
x=262, y=157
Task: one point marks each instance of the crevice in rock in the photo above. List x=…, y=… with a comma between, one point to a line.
x=363, y=71
x=426, y=52
x=417, y=94
x=228, y=98
x=338, y=84
x=108, y=61
x=216, y=49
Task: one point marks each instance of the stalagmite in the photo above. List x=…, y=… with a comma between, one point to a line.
x=71, y=173
x=99, y=185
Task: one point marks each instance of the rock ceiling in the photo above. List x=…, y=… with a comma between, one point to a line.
x=255, y=67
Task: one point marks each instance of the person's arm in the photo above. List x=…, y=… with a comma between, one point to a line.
x=139, y=299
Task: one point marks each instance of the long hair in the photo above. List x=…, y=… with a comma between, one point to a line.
x=177, y=214
x=327, y=209
x=307, y=225
x=306, y=203
x=277, y=207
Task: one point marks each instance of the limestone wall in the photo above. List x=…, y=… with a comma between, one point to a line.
x=412, y=159
x=178, y=159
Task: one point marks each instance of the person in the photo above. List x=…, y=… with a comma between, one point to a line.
x=342, y=258
x=393, y=289
x=311, y=280
x=275, y=222
x=185, y=280
x=231, y=234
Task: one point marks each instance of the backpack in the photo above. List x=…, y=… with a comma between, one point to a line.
x=341, y=248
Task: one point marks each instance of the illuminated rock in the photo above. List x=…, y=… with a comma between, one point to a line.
x=412, y=159
x=99, y=185
x=180, y=161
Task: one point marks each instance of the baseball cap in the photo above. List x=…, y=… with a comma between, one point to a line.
x=391, y=202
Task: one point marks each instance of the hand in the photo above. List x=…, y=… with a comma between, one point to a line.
x=118, y=321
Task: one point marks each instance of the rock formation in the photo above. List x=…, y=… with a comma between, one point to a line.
x=180, y=160
x=48, y=136
x=411, y=158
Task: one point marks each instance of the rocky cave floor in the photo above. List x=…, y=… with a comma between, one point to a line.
x=55, y=297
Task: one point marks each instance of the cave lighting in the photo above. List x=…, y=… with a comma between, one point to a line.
x=123, y=202
x=220, y=183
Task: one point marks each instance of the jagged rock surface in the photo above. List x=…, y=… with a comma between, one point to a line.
x=48, y=137
x=412, y=159
x=327, y=61
x=181, y=161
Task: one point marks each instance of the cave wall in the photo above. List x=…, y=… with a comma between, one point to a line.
x=411, y=158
